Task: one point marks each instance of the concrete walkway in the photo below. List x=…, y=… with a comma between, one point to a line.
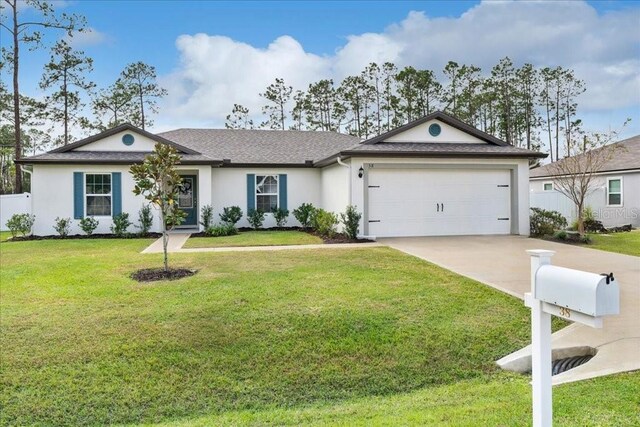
x=501, y=262
x=178, y=239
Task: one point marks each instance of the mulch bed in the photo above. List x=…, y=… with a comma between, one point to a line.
x=338, y=238
x=155, y=274
x=84, y=236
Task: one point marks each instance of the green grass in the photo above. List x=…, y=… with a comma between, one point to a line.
x=266, y=337
x=625, y=243
x=255, y=238
x=4, y=235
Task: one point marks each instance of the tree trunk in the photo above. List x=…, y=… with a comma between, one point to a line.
x=66, y=108
x=580, y=220
x=165, y=237
x=16, y=100
x=142, y=108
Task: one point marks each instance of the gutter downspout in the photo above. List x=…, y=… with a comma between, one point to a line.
x=341, y=163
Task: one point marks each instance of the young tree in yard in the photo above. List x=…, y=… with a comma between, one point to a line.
x=28, y=31
x=65, y=71
x=278, y=95
x=574, y=176
x=140, y=81
x=239, y=118
x=158, y=181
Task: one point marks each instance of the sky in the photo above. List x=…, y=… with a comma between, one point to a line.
x=210, y=55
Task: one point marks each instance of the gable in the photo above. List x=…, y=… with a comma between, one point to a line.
x=116, y=142
x=448, y=134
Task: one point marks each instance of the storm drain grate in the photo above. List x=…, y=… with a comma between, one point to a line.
x=561, y=365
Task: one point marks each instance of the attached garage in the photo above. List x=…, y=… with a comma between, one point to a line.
x=437, y=176
x=437, y=202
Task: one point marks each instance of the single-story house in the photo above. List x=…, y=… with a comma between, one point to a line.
x=434, y=176
x=615, y=198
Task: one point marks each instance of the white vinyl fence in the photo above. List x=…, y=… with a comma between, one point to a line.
x=11, y=204
x=555, y=201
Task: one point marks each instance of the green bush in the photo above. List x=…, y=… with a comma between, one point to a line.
x=545, y=223
x=585, y=239
x=120, y=224
x=351, y=221
x=560, y=235
x=89, y=225
x=255, y=218
x=304, y=214
x=231, y=215
x=280, y=216
x=222, y=230
x=62, y=226
x=324, y=222
x=145, y=218
x=20, y=223
x=206, y=215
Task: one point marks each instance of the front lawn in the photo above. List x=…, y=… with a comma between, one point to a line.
x=283, y=337
x=255, y=238
x=624, y=243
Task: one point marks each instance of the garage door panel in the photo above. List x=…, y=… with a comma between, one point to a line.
x=423, y=202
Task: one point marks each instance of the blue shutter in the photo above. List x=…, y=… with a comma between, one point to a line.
x=78, y=195
x=282, y=190
x=116, y=193
x=251, y=192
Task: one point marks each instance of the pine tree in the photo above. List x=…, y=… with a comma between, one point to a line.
x=278, y=95
x=239, y=118
x=140, y=81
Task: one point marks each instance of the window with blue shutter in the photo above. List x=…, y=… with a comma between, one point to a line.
x=251, y=192
x=78, y=195
x=282, y=182
x=116, y=191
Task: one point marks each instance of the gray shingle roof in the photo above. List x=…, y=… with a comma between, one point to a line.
x=113, y=157
x=443, y=148
x=627, y=156
x=262, y=146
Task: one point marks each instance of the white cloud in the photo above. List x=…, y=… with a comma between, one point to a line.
x=216, y=71
x=88, y=37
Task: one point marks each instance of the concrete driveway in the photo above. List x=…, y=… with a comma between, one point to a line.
x=501, y=262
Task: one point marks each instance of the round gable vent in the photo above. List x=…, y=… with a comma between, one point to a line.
x=127, y=139
x=435, y=129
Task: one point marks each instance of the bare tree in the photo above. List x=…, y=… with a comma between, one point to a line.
x=574, y=176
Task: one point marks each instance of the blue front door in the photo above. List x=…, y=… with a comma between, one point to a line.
x=188, y=199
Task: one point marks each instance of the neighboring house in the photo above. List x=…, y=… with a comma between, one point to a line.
x=615, y=198
x=434, y=176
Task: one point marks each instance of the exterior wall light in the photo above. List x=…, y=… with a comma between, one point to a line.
x=360, y=172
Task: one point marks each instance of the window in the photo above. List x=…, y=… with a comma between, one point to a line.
x=267, y=192
x=547, y=186
x=98, y=194
x=614, y=191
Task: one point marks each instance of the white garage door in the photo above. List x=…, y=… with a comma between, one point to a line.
x=438, y=202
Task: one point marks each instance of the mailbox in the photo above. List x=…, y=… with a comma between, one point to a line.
x=588, y=293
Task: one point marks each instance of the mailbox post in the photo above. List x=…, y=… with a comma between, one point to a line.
x=573, y=295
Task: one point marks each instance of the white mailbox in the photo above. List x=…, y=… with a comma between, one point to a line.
x=588, y=293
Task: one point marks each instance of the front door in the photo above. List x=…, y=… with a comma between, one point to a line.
x=188, y=199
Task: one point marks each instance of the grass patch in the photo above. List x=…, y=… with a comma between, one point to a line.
x=624, y=243
x=281, y=337
x=255, y=238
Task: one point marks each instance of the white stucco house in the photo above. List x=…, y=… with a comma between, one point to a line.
x=615, y=195
x=434, y=176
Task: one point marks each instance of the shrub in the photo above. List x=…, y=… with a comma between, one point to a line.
x=20, y=223
x=351, y=221
x=304, y=214
x=222, y=230
x=560, y=235
x=120, y=224
x=325, y=222
x=206, y=215
x=255, y=218
x=89, y=225
x=145, y=218
x=231, y=215
x=585, y=239
x=544, y=222
x=62, y=226
x=280, y=216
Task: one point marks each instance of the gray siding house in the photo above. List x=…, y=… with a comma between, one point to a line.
x=615, y=199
